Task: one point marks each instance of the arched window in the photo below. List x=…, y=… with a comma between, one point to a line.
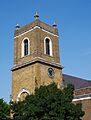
x=48, y=46
x=25, y=47
x=22, y=94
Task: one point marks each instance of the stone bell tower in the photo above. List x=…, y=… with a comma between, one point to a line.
x=36, y=58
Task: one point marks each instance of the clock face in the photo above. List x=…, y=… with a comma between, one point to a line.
x=51, y=72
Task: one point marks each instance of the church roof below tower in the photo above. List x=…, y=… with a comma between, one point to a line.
x=77, y=82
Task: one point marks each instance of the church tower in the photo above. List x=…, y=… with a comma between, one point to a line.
x=36, y=58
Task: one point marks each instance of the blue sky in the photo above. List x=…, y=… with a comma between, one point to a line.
x=73, y=18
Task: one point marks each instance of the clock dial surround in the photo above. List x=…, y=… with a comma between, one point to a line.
x=51, y=72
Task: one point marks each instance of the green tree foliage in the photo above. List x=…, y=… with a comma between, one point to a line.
x=4, y=109
x=49, y=103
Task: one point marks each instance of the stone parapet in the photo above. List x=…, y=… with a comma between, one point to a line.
x=36, y=23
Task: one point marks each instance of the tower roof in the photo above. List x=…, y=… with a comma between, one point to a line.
x=37, y=24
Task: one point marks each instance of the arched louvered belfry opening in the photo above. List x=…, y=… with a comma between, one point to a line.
x=48, y=46
x=25, y=47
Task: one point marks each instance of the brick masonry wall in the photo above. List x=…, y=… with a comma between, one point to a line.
x=33, y=76
x=36, y=38
x=86, y=103
x=83, y=91
x=86, y=107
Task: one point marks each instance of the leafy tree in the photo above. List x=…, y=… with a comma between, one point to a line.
x=49, y=103
x=4, y=109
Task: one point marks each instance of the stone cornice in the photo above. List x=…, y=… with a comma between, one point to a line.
x=82, y=97
x=37, y=60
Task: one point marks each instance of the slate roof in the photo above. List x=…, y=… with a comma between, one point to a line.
x=77, y=82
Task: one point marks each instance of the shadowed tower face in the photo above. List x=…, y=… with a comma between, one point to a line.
x=36, y=58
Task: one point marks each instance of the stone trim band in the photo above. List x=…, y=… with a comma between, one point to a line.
x=34, y=27
x=82, y=97
x=37, y=59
